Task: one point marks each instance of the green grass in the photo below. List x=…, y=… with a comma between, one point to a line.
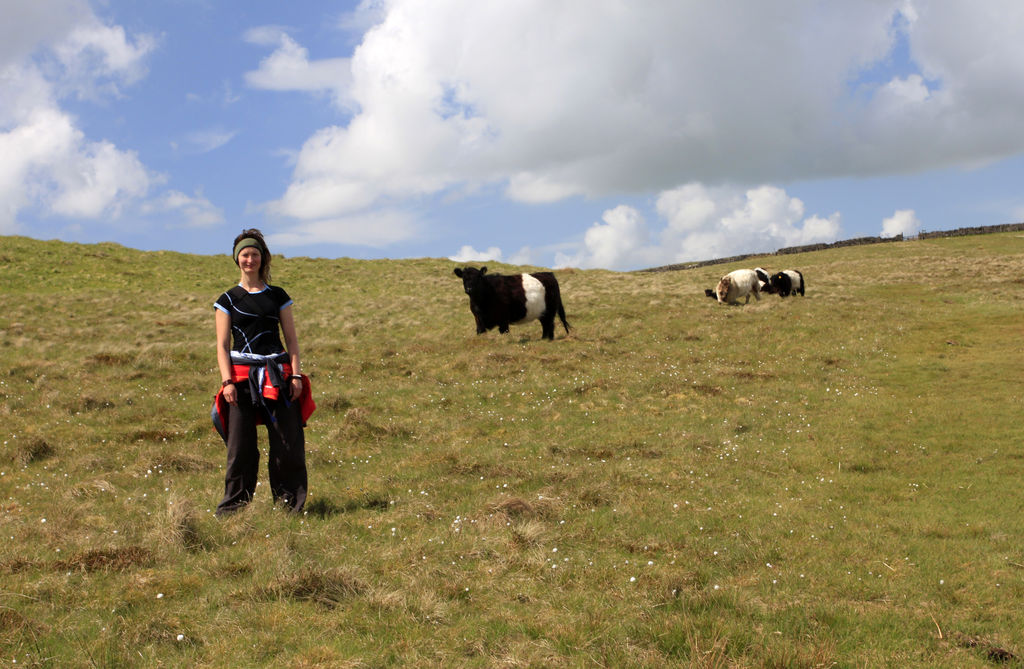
x=822, y=481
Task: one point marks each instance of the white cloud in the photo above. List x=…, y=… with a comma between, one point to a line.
x=49, y=164
x=730, y=221
x=27, y=25
x=269, y=35
x=195, y=210
x=622, y=239
x=289, y=68
x=902, y=222
x=470, y=254
x=529, y=188
x=96, y=178
x=524, y=256
x=93, y=52
x=601, y=99
x=204, y=141
x=375, y=229
x=701, y=223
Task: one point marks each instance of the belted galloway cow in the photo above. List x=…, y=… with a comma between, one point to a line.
x=764, y=280
x=788, y=281
x=498, y=300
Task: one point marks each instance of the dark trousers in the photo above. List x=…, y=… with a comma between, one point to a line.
x=287, y=461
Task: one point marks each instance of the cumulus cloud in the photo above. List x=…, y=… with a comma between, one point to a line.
x=97, y=59
x=902, y=222
x=701, y=223
x=61, y=49
x=289, y=68
x=604, y=99
x=50, y=164
x=622, y=239
x=470, y=254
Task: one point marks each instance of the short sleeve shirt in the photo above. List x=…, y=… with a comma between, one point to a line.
x=255, y=318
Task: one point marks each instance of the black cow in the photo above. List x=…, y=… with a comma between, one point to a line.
x=788, y=281
x=499, y=300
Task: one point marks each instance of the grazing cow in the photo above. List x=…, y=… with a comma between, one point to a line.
x=788, y=281
x=499, y=300
x=764, y=280
x=736, y=284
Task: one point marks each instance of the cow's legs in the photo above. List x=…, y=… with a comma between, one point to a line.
x=547, y=325
x=503, y=328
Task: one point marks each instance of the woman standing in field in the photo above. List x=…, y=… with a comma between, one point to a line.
x=261, y=382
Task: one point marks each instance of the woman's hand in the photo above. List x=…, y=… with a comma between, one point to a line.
x=230, y=394
x=296, y=387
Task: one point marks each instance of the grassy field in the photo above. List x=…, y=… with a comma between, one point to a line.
x=831, y=480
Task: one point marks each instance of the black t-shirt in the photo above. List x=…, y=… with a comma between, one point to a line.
x=255, y=318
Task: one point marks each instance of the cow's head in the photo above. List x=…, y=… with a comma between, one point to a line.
x=722, y=290
x=471, y=277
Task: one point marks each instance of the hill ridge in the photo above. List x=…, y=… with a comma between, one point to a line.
x=856, y=241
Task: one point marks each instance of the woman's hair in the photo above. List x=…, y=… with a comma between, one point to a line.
x=253, y=233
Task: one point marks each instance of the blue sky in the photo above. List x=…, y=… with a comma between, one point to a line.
x=544, y=132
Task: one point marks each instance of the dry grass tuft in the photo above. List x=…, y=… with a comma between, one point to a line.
x=17, y=566
x=428, y=607
x=182, y=525
x=185, y=463
x=90, y=488
x=109, y=559
x=324, y=587
x=118, y=359
x=14, y=625
x=360, y=425
x=35, y=449
x=527, y=534
x=597, y=495
x=514, y=507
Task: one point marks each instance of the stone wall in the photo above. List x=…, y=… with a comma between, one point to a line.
x=859, y=241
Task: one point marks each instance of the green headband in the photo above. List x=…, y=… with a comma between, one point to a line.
x=245, y=243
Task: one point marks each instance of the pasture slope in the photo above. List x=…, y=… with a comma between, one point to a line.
x=831, y=480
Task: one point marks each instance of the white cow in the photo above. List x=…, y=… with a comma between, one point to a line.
x=736, y=284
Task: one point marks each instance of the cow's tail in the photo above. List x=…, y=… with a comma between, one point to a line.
x=561, y=315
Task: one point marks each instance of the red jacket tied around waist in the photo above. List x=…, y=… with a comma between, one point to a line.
x=268, y=385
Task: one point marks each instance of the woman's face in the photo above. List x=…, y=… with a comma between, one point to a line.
x=249, y=259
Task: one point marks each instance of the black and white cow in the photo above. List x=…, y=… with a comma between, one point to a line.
x=788, y=281
x=764, y=280
x=500, y=300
